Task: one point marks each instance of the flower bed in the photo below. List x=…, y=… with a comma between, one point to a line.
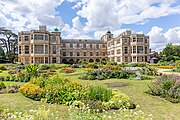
x=67, y=70
x=166, y=67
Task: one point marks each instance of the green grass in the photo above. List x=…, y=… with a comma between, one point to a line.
x=160, y=108
x=4, y=73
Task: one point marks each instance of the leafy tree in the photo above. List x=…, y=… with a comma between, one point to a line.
x=8, y=42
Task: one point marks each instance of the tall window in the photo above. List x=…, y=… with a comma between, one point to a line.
x=84, y=53
x=145, y=41
x=145, y=50
x=39, y=60
x=64, y=45
x=112, y=52
x=64, y=53
x=71, y=53
x=54, y=60
x=19, y=38
x=78, y=54
x=134, y=39
x=46, y=49
x=71, y=45
x=46, y=37
x=77, y=45
x=134, y=49
x=118, y=59
x=118, y=41
x=31, y=48
x=97, y=53
x=84, y=46
x=38, y=49
x=139, y=39
x=38, y=37
x=31, y=37
x=91, y=53
x=119, y=51
x=91, y=46
x=104, y=53
x=26, y=49
x=26, y=38
x=97, y=46
x=125, y=50
x=53, y=49
x=19, y=49
x=46, y=60
x=109, y=52
x=140, y=49
x=126, y=59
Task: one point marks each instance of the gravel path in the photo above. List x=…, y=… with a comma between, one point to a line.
x=164, y=72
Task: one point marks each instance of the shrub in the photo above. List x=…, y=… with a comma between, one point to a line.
x=45, y=67
x=149, y=71
x=140, y=64
x=2, y=85
x=120, y=100
x=1, y=71
x=2, y=67
x=100, y=93
x=92, y=65
x=68, y=70
x=167, y=86
x=32, y=91
x=32, y=70
x=166, y=67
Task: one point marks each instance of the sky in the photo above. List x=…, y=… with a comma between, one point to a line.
x=90, y=19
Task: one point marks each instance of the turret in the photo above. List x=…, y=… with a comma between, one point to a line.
x=107, y=37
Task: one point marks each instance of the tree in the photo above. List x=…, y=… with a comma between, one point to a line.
x=9, y=43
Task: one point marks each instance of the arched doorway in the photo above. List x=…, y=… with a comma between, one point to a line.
x=64, y=61
x=71, y=61
x=91, y=60
x=97, y=60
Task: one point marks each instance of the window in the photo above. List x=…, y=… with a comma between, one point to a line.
x=125, y=40
x=91, y=53
x=53, y=49
x=126, y=59
x=32, y=60
x=118, y=59
x=145, y=50
x=46, y=60
x=104, y=53
x=46, y=49
x=26, y=38
x=119, y=51
x=19, y=38
x=84, y=46
x=71, y=45
x=32, y=49
x=38, y=49
x=103, y=46
x=97, y=46
x=134, y=49
x=53, y=38
x=140, y=49
x=54, y=60
x=112, y=52
x=109, y=52
x=134, y=59
x=90, y=45
x=112, y=59
x=118, y=41
x=125, y=50
x=39, y=60
x=84, y=53
x=139, y=39
x=134, y=39
x=46, y=37
x=145, y=40
x=97, y=53
x=109, y=44
x=26, y=49
x=38, y=37
x=31, y=37
x=64, y=53
x=145, y=58
x=78, y=54
x=77, y=45
x=19, y=49
x=71, y=53
x=27, y=60
x=64, y=45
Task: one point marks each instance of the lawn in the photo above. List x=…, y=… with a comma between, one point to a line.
x=160, y=108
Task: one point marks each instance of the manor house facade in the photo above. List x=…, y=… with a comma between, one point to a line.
x=44, y=47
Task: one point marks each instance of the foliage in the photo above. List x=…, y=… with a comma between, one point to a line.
x=45, y=67
x=99, y=93
x=119, y=100
x=139, y=64
x=32, y=70
x=3, y=67
x=2, y=85
x=149, y=71
x=92, y=65
x=167, y=86
x=1, y=71
x=12, y=72
x=32, y=91
x=166, y=67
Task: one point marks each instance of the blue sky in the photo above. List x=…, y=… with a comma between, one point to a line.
x=160, y=19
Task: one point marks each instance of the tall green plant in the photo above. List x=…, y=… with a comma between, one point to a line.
x=32, y=70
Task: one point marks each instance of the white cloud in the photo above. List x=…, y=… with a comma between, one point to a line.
x=159, y=39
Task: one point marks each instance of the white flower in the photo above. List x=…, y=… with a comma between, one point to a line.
x=120, y=101
x=137, y=106
x=109, y=117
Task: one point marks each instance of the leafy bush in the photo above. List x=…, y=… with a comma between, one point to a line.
x=2, y=85
x=166, y=67
x=100, y=93
x=45, y=67
x=140, y=64
x=2, y=67
x=12, y=72
x=32, y=91
x=167, y=86
x=92, y=65
x=149, y=71
x=32, y=70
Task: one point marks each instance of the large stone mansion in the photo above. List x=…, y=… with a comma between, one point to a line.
x=41, y=46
